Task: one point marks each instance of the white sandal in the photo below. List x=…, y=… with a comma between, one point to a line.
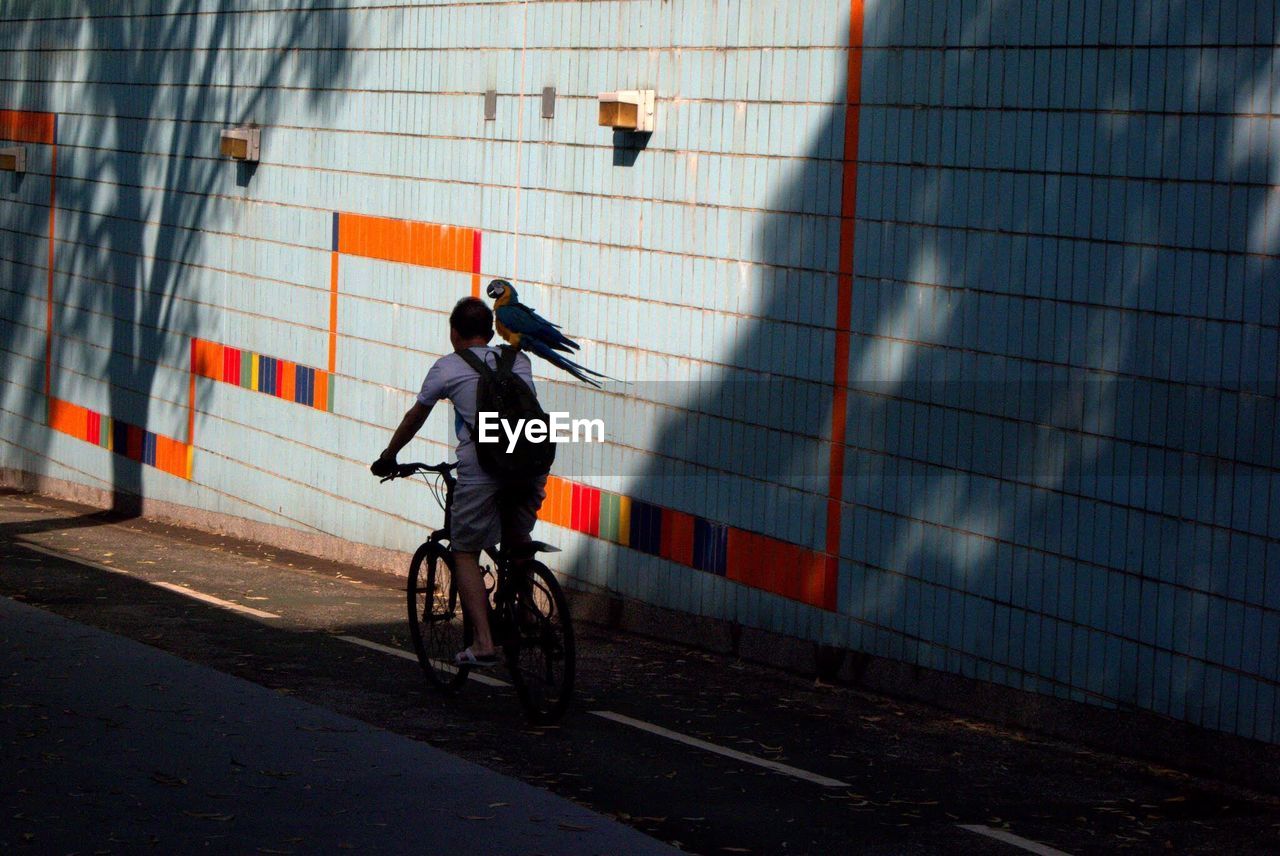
x=466, y=657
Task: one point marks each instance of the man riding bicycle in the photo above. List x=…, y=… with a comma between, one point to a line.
x=486, y=510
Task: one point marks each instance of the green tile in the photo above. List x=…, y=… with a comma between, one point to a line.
x=609, y=507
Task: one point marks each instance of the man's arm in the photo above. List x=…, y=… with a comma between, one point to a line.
x=413, y=420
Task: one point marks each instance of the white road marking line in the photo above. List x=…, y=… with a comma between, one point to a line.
x=71, y=557
x=1012, y=840
x=409, y=655
x=776, y=767
x=207, y=598
x=216, y=601
x=385, y=649
x=248, y=610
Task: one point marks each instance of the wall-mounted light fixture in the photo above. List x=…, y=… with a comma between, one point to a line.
x=628, y=110
x=242, y=144
x=13, y=159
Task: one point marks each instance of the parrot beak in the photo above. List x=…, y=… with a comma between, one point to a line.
x=497, y=288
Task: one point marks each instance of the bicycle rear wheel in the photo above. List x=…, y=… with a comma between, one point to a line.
x=540, y=650
x=435, y=616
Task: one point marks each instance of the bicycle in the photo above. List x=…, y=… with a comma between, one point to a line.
x=528, y=612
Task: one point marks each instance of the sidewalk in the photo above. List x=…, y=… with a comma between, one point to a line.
x=112, y=746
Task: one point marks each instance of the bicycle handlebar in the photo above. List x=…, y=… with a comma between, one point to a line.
x=405, y=470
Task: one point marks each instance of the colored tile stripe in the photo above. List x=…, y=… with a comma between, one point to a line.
x=746, y=557
x=281, y=378
x=20, y=126
x=844, y=294
x=426, y=244
x=137, y=444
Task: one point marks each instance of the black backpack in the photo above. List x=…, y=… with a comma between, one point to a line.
x=502, y=391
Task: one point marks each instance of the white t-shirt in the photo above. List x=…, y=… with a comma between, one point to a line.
x=453, y=379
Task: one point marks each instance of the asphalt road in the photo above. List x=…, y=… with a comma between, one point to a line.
x=113, y=746
x=911, y=779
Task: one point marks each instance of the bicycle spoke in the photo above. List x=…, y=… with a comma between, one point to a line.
x=543, y=672
x=436, y=624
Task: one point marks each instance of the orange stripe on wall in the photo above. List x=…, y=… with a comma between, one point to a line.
x=320, y=398
x=475, y=263
x=206, y=361
x=556, y=507
x=68, y=418
x=778, y=567
x=166, y=454
x=844, y=306
x=21, y=126
x=206, y=358
x=817, y=580
x=547, y=510
x=564, y=503
x=406, y=241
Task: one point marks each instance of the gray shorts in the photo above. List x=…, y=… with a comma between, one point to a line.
x=486, y=513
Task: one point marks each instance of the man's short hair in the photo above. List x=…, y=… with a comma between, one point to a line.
x=472, y=318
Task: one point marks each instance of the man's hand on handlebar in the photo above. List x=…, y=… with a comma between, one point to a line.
x=385, y=467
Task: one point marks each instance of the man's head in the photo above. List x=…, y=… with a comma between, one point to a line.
x=470, y=323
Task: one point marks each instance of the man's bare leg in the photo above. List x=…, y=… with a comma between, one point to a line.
x=475, y=600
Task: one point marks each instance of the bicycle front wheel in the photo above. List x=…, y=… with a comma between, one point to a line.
x=540, y=650
x=435, y=616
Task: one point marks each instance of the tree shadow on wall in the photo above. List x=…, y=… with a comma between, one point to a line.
x=139, y=177
x=1024, y=426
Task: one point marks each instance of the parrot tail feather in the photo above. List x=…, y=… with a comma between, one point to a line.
x=579, y=371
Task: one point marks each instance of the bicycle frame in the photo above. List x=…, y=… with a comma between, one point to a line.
x=503, y=563
x=519, y=625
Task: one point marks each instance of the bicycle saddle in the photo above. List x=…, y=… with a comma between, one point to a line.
x=528, y=549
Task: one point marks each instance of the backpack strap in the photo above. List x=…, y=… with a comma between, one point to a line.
x=506, y=359
x=481, y=367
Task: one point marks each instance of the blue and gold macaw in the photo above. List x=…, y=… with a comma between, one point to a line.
x=527, y=330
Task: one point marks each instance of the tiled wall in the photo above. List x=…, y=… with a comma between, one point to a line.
x=945, y=331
